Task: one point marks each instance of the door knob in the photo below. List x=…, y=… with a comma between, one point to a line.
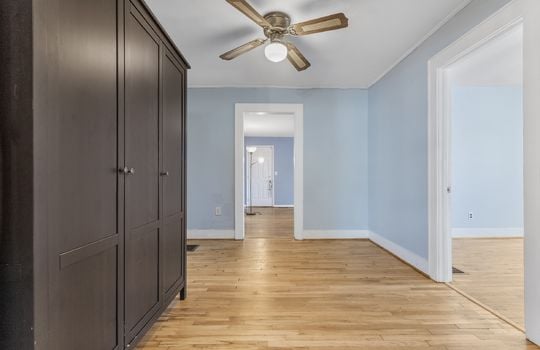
x=164, y=173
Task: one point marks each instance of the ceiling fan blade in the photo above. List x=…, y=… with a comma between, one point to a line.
x=244, y=7
x=297, y=59
x=242, y=49
x=323, y=24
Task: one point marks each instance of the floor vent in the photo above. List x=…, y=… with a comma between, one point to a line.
x=192, y=247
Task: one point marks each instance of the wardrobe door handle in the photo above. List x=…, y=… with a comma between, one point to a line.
x=131, y=171
x=164, y=173
x=123, y=170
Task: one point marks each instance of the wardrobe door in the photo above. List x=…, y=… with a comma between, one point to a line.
x=142, y=54
x=82, y=178
x=172, y=235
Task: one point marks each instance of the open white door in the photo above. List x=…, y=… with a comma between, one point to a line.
x=262, y=185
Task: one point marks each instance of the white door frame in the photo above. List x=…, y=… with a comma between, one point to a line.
x=297, y=110
x=439, y=137
x=272, y=172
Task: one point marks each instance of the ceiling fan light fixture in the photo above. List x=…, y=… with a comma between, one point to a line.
x=276, y=51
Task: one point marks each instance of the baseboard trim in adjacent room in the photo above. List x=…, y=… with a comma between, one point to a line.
x=210, y=234
x=283, y=205
x=335, y=234
x=488, y=232
x=406, y=255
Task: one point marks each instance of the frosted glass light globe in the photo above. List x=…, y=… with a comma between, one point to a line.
x=275, y=52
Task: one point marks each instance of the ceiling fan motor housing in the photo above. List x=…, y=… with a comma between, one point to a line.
x=279, y=24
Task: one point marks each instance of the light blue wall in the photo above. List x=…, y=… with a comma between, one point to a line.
x=487, y=157
x=283, y=165
x=335, y=154
x=398, y=110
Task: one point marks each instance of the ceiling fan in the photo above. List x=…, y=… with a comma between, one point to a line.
x=276, y=26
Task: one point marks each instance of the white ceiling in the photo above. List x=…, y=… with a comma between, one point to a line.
x=268, y=125
x=499, y=62
x=380, y=33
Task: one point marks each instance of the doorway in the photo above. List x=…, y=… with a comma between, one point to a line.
x=440, y=185
x=486, y=165
x=257, y=161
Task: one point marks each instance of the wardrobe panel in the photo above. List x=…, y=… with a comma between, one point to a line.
x=142, y=57
x=81, y=126
x=172, y=101
x=85, y=315
x=172, y=253
x=85, y=177
x=142, y=122
x=142, y=293
x=172, y=136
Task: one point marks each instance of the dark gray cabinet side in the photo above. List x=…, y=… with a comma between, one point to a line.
x=16, y=176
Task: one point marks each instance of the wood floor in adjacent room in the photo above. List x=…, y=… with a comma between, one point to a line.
x=271, y=292
x=493, y=274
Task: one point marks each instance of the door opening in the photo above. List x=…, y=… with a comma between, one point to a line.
x=269, y=167
x=440, y=186
x=486, y=172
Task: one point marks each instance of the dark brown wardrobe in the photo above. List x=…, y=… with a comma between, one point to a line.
x=92, y=173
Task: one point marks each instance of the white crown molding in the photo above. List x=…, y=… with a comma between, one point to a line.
x=439, y=25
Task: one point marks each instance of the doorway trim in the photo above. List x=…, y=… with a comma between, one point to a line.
x=297, y=110
x=526, y=12
x=273, y=170
x=439, y=134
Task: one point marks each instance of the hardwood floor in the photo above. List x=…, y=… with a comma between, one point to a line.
x=493, y=274
x=271, y=223
x=270, y=292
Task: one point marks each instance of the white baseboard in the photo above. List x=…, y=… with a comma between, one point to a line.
x=406, y=255
x=210, y=234
x=487, y=232
x=284, y=206
x=335, y=234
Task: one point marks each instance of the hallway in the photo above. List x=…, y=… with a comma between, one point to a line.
x=271, y=292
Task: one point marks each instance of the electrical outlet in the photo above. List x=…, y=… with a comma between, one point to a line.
x=218, y=211
x=470, y=215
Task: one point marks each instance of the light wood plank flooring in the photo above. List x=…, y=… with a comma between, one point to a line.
x=272, y=223
x=493, y=273
x=269, y=292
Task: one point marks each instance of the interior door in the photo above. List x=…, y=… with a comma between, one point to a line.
x=172, y=175
x=142, y=55
x=262, y=185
